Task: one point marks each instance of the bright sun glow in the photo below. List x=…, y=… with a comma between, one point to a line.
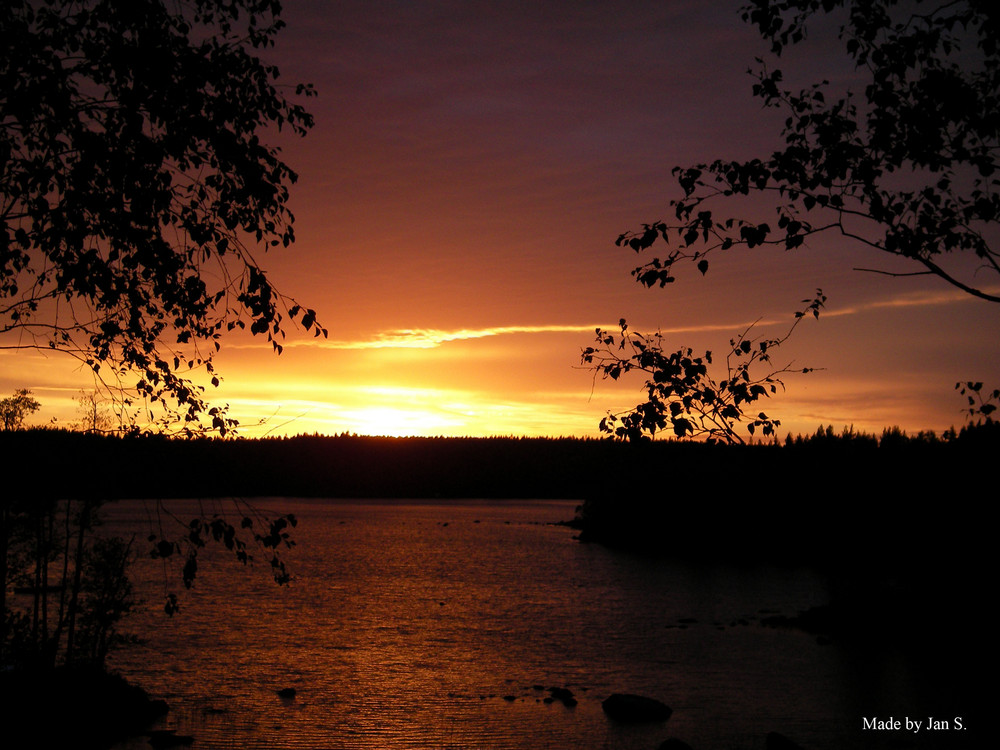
x=395, y=422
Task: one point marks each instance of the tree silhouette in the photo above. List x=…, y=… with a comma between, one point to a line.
x=908, y=169
x=137, y=190
x=16, y=408
x=93, y=413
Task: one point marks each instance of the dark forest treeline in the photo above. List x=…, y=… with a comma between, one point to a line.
x=61, y=463
x=844, y=498
x=839, y=497
x=346, y=466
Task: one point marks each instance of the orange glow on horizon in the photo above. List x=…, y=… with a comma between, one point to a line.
x=525, y=380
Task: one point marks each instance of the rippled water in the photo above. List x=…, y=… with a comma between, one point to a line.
x=432, y=625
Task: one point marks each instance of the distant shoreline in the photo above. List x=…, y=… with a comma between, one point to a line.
x=846, y=501
x=826, y=467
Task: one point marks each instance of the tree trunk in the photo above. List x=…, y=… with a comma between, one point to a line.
x=63, y=590
x=77, y=579
x=4, y=532
x=36, y=601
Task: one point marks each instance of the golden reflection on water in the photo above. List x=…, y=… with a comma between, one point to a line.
x=443, y=625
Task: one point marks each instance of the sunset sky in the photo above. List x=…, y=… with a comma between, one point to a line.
x=470, y=168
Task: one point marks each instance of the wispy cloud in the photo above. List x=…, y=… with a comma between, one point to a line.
x=431, y=338
x=915, y=299
x=422, y=338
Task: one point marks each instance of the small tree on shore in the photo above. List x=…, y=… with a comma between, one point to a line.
x=93, y=413
x=16, y=408
x=64, y=582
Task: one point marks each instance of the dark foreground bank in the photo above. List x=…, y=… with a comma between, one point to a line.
x=82, y=708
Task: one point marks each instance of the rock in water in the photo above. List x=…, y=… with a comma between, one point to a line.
x=565, y=695
x=630, y=709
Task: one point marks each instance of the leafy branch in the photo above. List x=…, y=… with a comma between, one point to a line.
x=911, y=173
x=269, y=533
x=981, y=404
x=683, y=397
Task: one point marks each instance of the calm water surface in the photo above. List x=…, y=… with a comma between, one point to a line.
x=432, y=625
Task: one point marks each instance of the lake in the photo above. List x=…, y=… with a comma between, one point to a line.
x=417, y=624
